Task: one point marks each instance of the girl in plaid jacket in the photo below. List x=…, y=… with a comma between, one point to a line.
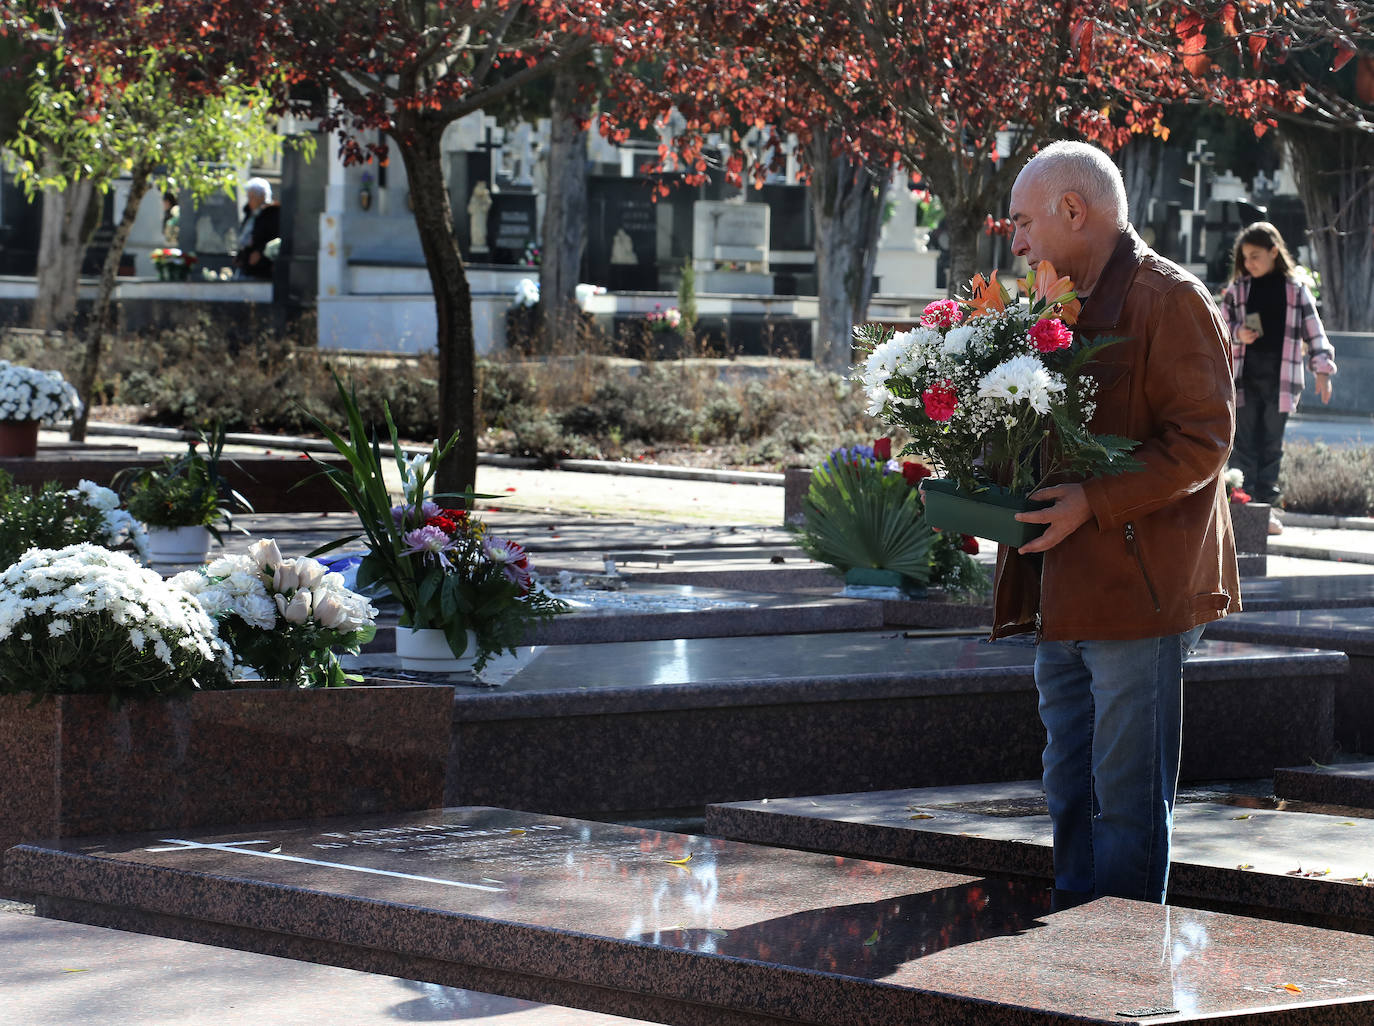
x=1275, y=331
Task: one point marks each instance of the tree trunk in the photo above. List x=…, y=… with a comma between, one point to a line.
x=1335, y=176
x=964, y=225
x=61, y=246
x=847, y=204
x=104, y=299
x=1142, y=166
x=565, y=216
x=418, y=142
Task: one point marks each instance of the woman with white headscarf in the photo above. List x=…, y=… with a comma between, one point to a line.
x=260, y=225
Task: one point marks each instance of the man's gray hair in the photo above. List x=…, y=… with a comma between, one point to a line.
x=1084, y=169
x=261, y=186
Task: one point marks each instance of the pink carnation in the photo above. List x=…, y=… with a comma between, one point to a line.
x=1050, y=334
x=940, y=401
x=942, y=314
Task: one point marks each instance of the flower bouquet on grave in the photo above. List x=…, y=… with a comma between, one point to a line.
x=447, y=570
x=285, y=618
x=85, y=620
x=863, y=515
x=1235, y=486
x=50, y=517
x=993, y=392
x=29, y=397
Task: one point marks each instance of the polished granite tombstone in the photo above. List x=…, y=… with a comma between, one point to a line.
x=679, y=723
x=1348, y=630
x=1333, y=591
x=693, y=930
x=1236, y=849
x=54, y=973
x=1350, y=783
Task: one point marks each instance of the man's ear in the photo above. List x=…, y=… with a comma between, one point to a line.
x=1075, y=209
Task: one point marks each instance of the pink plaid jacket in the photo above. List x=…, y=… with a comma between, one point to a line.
x=1302, y=330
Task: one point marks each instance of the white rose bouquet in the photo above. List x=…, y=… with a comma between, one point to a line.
x=283, y=617
x=85, y=620
x=29, y=394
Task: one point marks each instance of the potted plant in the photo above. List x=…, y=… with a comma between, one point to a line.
x=180, y=500
x=29, y=397
x=665, y=332
x=119, y=714
x=464, y=593
x=863, y=515
x=284, y=618
x=52, y=518
x=996, y=394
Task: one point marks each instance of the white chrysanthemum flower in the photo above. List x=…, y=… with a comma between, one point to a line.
x=956, y=340
x=1022, y=379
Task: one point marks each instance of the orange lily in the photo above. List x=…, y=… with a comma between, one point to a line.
x=1044, y=285
x=986, y=296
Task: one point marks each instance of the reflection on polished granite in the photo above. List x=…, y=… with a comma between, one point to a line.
x=694, y=930
x=58, y=974
x=1231, y=848
x=1303, y=591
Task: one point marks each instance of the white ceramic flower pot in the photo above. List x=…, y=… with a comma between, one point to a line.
x=178, y=547
x=427, y=650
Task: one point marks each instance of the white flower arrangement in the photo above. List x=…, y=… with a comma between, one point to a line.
x=29, y=394
x=282, y=617
x=119, y=525
x=526, y=293
x=84, y=619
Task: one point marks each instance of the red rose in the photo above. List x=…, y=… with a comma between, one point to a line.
x=1050, y=334
x=914, y=472
x=969, y=544
x=882, y=449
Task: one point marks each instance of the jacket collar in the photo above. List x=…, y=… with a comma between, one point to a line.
x=1102, y=309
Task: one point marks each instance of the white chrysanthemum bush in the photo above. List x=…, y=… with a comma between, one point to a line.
x=29, y=394
x=51, y=517
x=285, y=618
x=992, y=390
x=87, y=620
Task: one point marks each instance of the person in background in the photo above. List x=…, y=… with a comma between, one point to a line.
x=171, y=219
x=1274, y=330
x=260, y=225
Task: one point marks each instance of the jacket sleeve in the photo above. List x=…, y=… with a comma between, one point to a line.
x=1321, y=356
x=1191, y=401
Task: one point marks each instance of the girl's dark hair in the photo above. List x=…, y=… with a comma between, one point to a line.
x=1264, y=234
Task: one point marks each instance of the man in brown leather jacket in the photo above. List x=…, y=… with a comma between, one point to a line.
x=1130, y=566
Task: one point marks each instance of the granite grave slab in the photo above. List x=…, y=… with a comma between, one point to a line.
x=1348, y=630
x=1307, y=591
x=1349, y=783
x=692, y=930
x=679, y=723
x=54, y=973
x=1234, y=849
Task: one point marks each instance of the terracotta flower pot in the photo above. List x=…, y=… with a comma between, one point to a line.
x=19, y=438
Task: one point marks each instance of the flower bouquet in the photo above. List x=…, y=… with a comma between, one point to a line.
x=51, y=518
x=994, y=393
x=448, y=572
x=172, y=264
x=83, y=619
x=1235, y=486
x=863, y=516
x=664, y=320
x=29, y=397
x=285, y=618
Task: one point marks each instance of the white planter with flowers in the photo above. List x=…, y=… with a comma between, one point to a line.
x=427, y=650
x=178, y=547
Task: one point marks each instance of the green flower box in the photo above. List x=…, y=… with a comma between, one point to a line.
x=989, y=514
x=869, y=577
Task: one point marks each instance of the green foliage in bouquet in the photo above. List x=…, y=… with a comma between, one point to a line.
x=184, y=492
x=858, y=516
x=51, y=517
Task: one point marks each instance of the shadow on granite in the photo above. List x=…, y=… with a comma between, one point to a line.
x=695, y=931
x=675, y=724
x=1237, y=850
x=55, y=974
x=1347, y=630
x=1341, y=784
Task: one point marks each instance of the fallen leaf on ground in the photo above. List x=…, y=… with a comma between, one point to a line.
x=680, y=862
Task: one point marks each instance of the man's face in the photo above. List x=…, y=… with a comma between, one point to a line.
x=1039, y=235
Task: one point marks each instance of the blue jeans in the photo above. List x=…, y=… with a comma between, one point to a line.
x=1113, y=715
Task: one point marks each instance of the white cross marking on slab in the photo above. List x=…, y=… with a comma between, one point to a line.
x=234, y=849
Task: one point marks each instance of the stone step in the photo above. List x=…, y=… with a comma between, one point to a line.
x=57, y=974
x=691, y=930
x=1234, y=849
x=1306, y=591
x=1349, y=783
x=1347, y=630
x=679, y=723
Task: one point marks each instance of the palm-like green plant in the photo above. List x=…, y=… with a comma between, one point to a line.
x=859, y=516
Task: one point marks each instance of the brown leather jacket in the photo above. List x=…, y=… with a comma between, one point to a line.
x=1157, y=557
